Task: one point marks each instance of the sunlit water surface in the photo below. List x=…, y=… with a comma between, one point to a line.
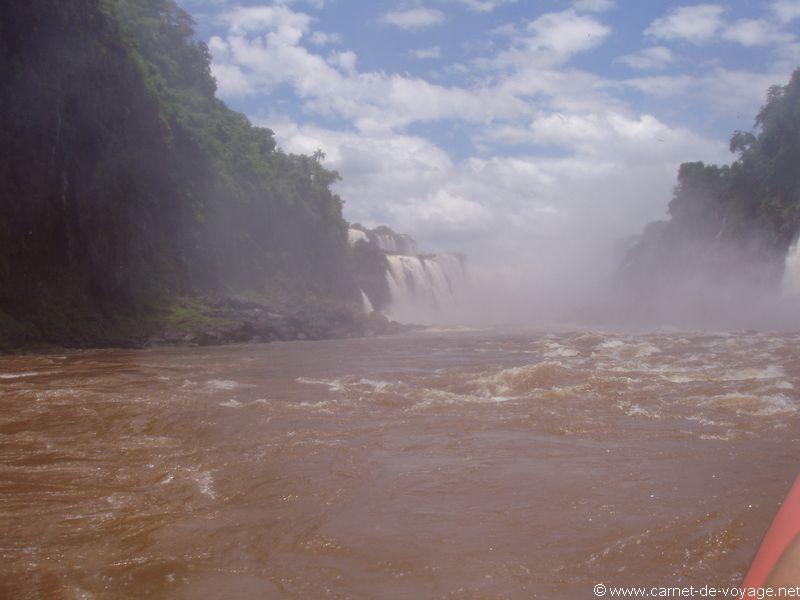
x=439, y=464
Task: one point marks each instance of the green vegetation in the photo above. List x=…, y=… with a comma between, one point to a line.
x=186, y=314
x=732, y=221
x=125, y=183
x=759, y=193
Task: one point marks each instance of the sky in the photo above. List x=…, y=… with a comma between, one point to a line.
x=502, y=128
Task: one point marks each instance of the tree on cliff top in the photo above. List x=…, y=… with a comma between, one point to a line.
x=730, y=226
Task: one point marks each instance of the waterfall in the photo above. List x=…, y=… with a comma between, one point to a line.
x=386, y=242
x=423, y=286
x=395, y=243
x=392, y=278
x=790, y=285
x=366, y=304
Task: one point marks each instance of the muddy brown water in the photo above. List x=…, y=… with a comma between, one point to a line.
x=438, y=464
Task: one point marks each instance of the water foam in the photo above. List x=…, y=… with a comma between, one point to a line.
x=334, y=385
x=18, y=375
x=222, y=384
x=521, y=380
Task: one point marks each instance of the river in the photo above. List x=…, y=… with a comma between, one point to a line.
x=434, y=464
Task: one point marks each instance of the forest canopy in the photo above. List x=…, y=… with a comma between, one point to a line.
x=125, y=181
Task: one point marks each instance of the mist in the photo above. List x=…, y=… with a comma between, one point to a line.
x=723, y=256
x=636, y=282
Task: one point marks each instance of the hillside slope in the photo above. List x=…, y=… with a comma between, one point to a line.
x=128, y=191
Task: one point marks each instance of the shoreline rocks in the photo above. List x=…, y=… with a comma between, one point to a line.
x=217, y=322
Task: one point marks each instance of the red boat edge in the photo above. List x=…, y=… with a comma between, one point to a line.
x=777, y=562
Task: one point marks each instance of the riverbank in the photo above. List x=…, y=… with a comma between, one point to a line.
x=195, y=321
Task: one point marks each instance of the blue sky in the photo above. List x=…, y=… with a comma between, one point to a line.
x=500, y=126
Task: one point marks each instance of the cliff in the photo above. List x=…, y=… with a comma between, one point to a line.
x=730, y=226
x=132, y=199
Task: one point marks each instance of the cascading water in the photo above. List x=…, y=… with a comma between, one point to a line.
x=423, y=287
x=397, y=281
x=366, y=304
x=790, y=285
x=396, y=243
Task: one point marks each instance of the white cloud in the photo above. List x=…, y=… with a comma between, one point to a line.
x=271, y=55
x=755, y=32
x=695, y=24
x=444, y=211
x=789, y=56
x=786, y=10
x=346, y=61
x=559, y=89
x=611, y=137
x=483, y=6
x=508, y=30
x=654, y=57
x=593, y=5
x=622, y=138
x=414, y=18
x=231, y=80
x=553, y=39
x=720, y=91
x=318, y=4
x=704, y=23
x=427, y=53
x=278, y=20
x=320, y=38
